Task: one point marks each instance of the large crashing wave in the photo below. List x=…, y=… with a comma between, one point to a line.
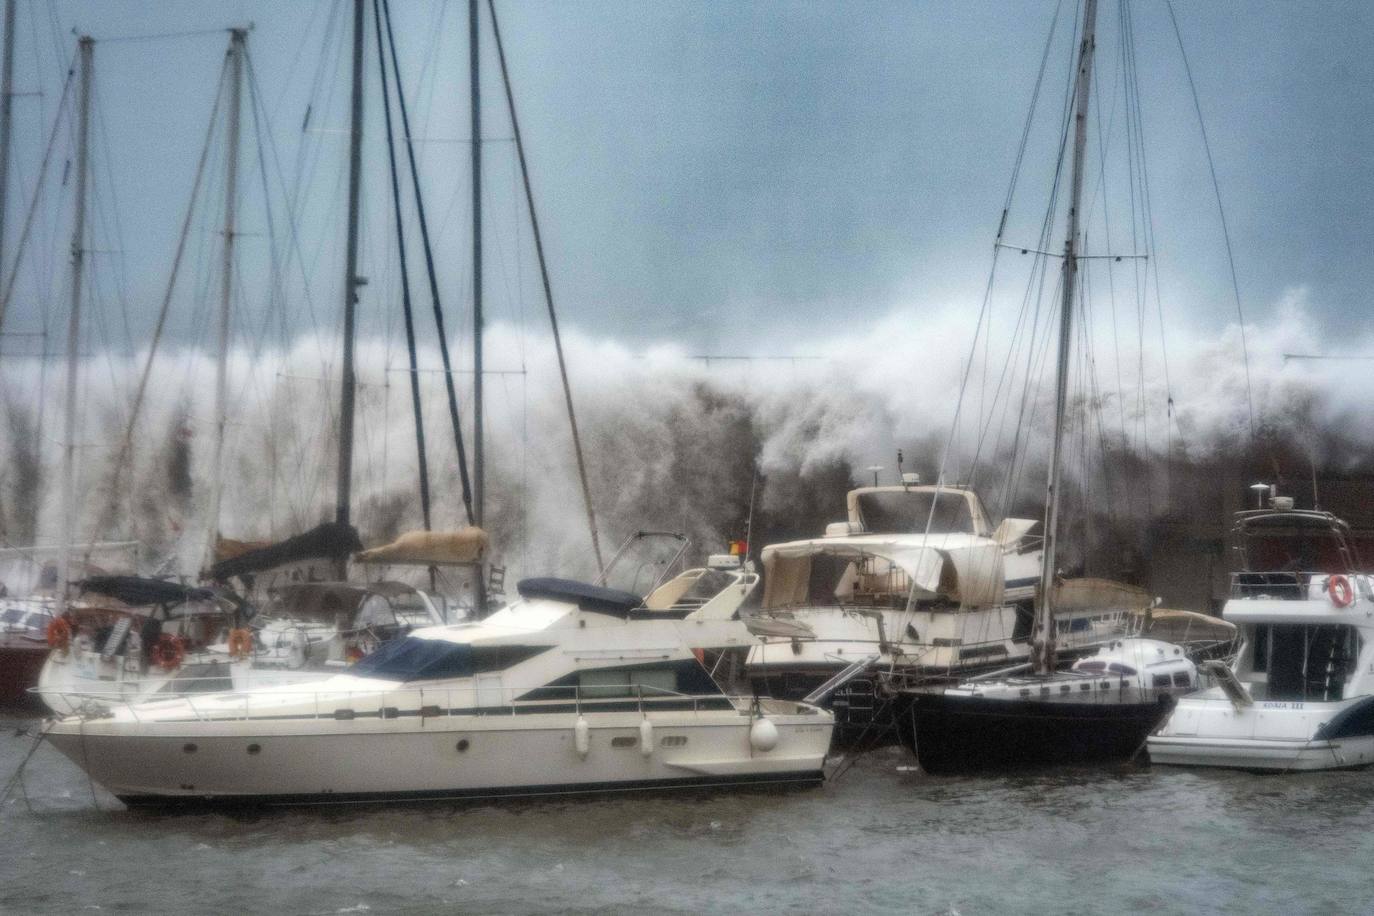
x=673, y=442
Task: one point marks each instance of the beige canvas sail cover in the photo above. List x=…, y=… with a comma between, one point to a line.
x=965, y=569
x=1186, y=627
x=1099, y=595
x=431, y=548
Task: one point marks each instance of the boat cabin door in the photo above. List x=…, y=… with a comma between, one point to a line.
x=489, y=690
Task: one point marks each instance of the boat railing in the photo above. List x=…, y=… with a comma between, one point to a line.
x=426, y=702
x=1290, y=585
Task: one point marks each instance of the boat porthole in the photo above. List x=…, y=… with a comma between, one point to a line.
x=255, y=749
x=189, y=748
x=462, y=745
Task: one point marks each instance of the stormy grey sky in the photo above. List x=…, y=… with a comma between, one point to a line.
x=743, y=177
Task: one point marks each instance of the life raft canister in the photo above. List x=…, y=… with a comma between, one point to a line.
x=1342, y=593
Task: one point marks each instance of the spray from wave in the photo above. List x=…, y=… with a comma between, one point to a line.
x=673, y=442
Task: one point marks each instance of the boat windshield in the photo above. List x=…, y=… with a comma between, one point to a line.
x=415, y=659
x=907, y=512
x=1295, y=548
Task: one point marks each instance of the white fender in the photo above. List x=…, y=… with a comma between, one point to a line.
x=582, y=736
x=763, y=734
x=646, y=738
x=300, y=649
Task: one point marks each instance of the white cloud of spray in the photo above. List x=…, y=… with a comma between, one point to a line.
x=673, y=442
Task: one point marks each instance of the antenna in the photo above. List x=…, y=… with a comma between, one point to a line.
x=875, y=468
x=1312, y=463
x=1259, y=489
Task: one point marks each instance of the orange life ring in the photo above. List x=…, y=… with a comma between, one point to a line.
x=59, y=634
x=240, y=642
x=1341, y=591
x=168, y=652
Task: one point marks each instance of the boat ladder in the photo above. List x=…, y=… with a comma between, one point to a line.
x=820, y=694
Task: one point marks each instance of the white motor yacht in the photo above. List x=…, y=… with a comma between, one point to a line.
x=936, y=606
x=571, y=689
x=1300, y=696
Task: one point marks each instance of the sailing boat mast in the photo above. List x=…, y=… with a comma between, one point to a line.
x=474, y=72
x=6, y=112
x=87, y=49
x=351, y=279
x=1043, y=655
x=231, y=200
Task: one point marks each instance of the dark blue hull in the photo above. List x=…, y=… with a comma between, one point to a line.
x=967, y=734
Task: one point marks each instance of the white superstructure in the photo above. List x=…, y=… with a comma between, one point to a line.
x=1300, y=696
x=918, y=577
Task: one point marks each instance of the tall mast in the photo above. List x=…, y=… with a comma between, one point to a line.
x=478, y=465
x=6, y=98
x=87, y=46
x=351, y=279
x=231, y=201
x=1043, y=655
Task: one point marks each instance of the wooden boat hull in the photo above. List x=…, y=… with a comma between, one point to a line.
x=953, y=734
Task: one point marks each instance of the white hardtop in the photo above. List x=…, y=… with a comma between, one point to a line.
x=963, y=567
x=978, y=519
x=517, y=620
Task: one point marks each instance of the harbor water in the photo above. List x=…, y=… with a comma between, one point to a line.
x=879, y=836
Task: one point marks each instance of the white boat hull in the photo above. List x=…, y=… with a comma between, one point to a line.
x=414, y=757
x=1280, y=737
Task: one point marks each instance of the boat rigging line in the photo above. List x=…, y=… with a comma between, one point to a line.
x=432, y=275
x=37, y=193
x=126, y=443
x=548, y=290
x=405, y=275
x=1221, y=212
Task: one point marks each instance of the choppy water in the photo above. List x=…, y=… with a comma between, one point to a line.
x=880, y=838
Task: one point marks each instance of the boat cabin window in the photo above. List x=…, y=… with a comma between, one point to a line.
x=414, y=659
x=624, y=682
x=909, y=512
x=1294, y=548
x=1306, y=661
x=13, y=615
x=865, y=582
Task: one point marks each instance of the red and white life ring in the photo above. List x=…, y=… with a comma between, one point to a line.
x=1342, y=593
x=168, y=652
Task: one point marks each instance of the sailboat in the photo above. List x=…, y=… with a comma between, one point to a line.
x=1104, y=708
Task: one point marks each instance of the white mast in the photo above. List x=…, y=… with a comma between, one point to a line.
x=231, y=173
x=87, y=45
x=1043, y=655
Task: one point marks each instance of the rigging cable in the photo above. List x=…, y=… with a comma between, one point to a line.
x=429, y=268
x=126, y=443
x=1221, y=212
x=37, y=192
x=548, y=291
x=405, y=274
